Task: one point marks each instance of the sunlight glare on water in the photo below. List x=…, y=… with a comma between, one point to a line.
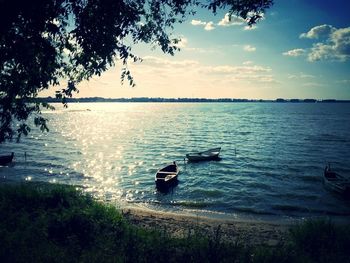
x=273, y=154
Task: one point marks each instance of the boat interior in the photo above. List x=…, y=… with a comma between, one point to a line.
x=162, y=174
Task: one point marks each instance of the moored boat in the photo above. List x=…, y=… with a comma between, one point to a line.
x=6, y=159
x=335, y=182
x=211, y=154
x=167, y=176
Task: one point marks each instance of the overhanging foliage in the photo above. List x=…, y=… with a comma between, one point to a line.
x=46, y=42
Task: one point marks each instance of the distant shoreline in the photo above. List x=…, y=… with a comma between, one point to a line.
x=186, y=100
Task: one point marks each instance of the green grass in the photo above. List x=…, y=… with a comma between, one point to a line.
x=42, y=222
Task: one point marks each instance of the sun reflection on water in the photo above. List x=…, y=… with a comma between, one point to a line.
x=100, y=138
x=113, y=151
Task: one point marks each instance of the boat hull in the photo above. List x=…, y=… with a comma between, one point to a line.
x=165, y=184
x=212, y=154
x=339, y=187
x=167, y=176
x=336, y=183
x=201, y=158
x=6, y=159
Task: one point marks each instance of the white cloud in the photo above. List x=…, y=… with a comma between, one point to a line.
x=248, y=74
x=267, y=79
x=231, y=21
x=341, y=41
x=227, y=21
x=249, y=48
x=237, y=69
x=159, y=77
x=318, y=32
x=238, y=21
x=320, y=51
x=335, y=48
x=182, y=42
x=260, y=14
x=294, y=52
x=156, y=61
x=343, y=81
x=246, y=71
x=312, y=84
x=333, y=44
x=247, y=28
x=300, y=76
x=195, y=22
x=203, y=50
x=248, y=62
x=209, y=26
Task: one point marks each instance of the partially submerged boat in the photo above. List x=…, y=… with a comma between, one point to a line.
x=335, y=182
x=211, y=154
x=167, y=176
x=6, y=159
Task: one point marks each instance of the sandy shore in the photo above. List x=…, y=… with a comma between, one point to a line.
x=246, y=231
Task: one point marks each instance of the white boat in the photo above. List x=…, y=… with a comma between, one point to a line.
x=335, y=182
x=167, y=176
x=211, y=154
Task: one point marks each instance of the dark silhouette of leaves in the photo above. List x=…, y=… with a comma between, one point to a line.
x=45, y=43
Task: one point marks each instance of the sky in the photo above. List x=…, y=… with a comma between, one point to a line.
x=300, y=49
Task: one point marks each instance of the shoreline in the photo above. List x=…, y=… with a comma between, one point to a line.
x=250, y=232
x=95, y=231
x=245, y=231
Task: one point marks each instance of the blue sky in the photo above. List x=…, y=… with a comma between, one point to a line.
x=301, y=49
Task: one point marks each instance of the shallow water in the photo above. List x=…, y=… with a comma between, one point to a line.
x=273, y=155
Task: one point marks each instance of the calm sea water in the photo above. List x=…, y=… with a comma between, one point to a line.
x=273, y=155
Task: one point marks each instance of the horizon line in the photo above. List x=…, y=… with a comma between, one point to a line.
x=162, y=99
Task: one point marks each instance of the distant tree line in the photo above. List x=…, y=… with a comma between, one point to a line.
x=147, y=99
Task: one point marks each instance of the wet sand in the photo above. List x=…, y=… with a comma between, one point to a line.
x=248, y=232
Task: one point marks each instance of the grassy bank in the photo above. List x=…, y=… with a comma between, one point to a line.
x=42, y=222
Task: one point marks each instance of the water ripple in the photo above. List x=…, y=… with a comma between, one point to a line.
x=272, y=162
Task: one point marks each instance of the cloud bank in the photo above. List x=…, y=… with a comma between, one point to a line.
x=318, y=32
x=208, y=26
x=333, y=44
x=227, y=21
x=231, y=21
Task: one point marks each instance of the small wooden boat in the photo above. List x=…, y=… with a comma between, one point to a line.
x=335, y=182
x=211, y=154
x=6, y=159
x=167, y=176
